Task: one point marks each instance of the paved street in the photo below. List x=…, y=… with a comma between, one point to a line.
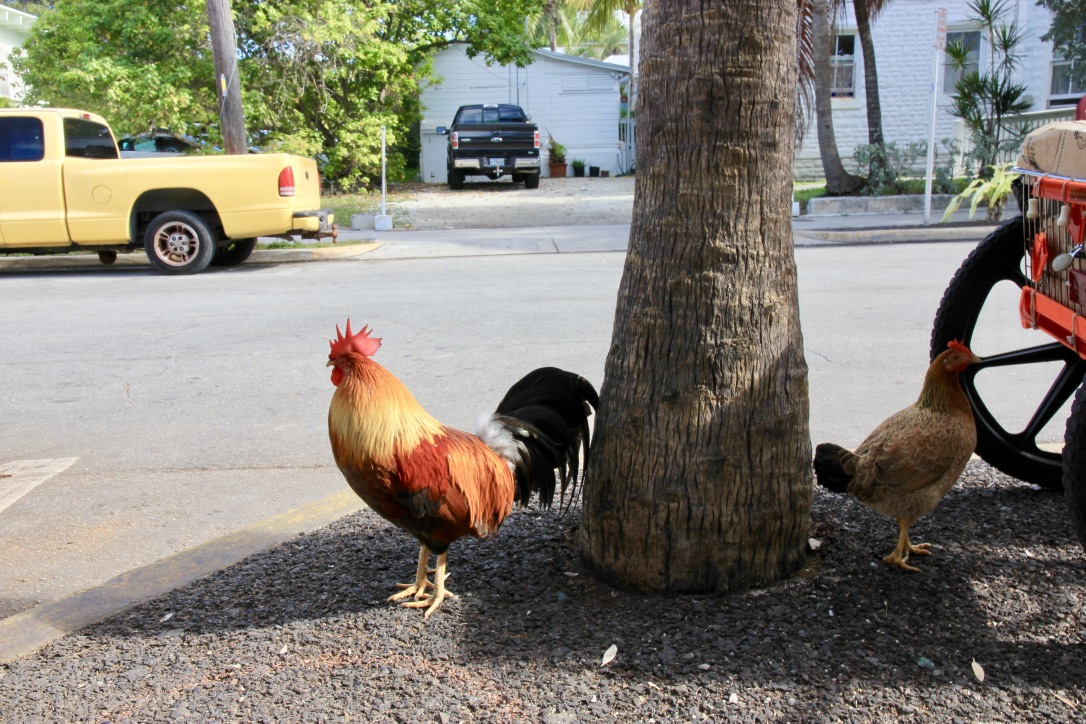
x=181, y=409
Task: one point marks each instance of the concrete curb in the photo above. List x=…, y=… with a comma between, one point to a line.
x=26, y=632
x=136, y=260
x=903, y=235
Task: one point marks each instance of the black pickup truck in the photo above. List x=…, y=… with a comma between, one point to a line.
x=492, y=140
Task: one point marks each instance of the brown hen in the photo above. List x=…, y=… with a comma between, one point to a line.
x=910, y=461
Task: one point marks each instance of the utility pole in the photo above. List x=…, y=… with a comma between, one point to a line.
x=227, y=85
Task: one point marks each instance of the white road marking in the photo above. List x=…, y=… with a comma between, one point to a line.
x=21, y=476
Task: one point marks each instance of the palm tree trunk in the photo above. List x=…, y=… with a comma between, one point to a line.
x=871, y=76
x=699, y=478
x=839, y=182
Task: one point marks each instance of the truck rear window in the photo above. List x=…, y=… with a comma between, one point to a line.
x=21, y=139
x=87, y=139
x=499, y=114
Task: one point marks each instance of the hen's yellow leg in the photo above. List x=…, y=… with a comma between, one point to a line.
x=904, y=548
x=433, y=601
x=418, y=588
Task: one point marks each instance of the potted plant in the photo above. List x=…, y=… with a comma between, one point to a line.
x=557, y=158
x=578, y=167
x=594, y=171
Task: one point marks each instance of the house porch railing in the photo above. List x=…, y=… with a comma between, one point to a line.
x=1018, y=125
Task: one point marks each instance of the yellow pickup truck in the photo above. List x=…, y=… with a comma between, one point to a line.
x=64, y=187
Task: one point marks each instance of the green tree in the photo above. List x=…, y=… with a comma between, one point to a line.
x=571, y=29
x=317, y=76
x=1066, y=33
x=602, y=12
x=142, y=64
x=984, y=97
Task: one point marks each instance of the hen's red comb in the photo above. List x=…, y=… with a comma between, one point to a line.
x=361, y=343
x=958, y=346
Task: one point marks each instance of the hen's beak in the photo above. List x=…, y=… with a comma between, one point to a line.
x=330, y=364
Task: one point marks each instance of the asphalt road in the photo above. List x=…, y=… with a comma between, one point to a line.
x=181, y=409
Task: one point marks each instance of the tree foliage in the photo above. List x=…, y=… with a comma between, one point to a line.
x=1067, y=33
x=319, y=77
x=984, y=97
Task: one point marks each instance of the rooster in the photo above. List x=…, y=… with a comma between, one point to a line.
x=440, y=484
x=905, y=467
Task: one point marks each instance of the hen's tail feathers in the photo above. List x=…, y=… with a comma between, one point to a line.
x=829, y=465
x=546, y=413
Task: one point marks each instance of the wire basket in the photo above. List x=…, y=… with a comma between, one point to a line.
x=1054, y=219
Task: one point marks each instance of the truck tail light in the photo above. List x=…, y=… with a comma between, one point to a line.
x=455, y=139
x=537, y=139
x=286, y=182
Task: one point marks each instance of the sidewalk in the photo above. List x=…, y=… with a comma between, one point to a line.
x=808, y=231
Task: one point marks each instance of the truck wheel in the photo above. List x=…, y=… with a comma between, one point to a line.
x=456, y=179
x=1001, y=441
x=1074, y=464
x=179, y=242
x=531, y=181
x=234, y=253
x=107, y=256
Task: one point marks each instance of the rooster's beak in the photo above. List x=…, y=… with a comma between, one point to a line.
x=330, y=364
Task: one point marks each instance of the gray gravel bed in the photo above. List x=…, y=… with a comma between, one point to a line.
x=302, y=633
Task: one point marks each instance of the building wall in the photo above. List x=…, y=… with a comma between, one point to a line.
x=903, y=36
x=14, y=29
x=577, y=103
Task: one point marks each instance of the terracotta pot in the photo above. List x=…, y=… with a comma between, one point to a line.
x=558, y=170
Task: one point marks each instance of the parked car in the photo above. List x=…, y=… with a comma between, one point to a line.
x=158, y=142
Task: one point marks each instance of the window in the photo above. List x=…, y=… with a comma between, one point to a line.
x=21, y=139
x=843, y=65
x=1065, y=90
x=87, y=139
x=970, y=43
x=587, y=83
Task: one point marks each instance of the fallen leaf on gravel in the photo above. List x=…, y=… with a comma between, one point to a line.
x=1066, y=701
x=978, y=671
x=166, y=618
x=609, y=655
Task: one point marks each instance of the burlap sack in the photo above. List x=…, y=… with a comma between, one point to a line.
x=1058, y=148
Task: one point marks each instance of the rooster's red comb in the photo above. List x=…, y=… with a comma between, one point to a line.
x=361, y=343
x=958, y=346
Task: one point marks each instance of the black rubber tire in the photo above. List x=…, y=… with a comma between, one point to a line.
x=998, y=258
x=179, y=242
x=234, y=253
x=456, y=179
x=1074, y=464
x=531, y=180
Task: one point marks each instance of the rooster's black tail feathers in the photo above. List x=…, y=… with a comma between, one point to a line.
x=829, y=465
x=547, y=412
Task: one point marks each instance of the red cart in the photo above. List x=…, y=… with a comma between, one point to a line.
x=1038, y=256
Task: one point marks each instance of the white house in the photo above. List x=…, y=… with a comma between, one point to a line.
x=575, y=100
x=904, y=35
x=14, y=29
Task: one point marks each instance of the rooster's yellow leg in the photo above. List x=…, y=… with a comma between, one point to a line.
x=901, y=552
x=433, y=601
x=418, y=588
